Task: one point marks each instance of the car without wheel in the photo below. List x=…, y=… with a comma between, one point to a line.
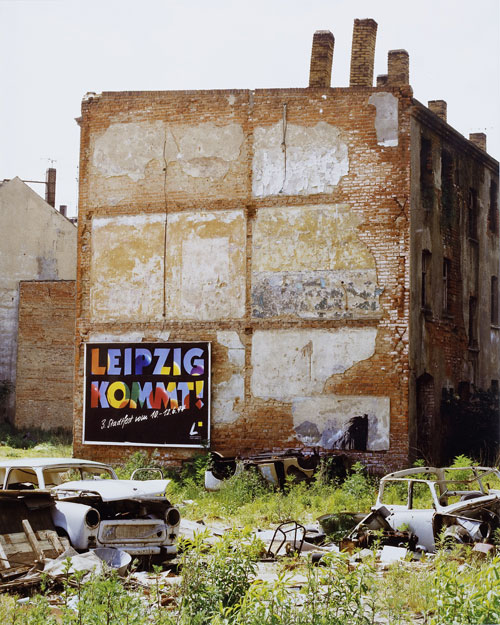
x=415, y=507
x=93, y=508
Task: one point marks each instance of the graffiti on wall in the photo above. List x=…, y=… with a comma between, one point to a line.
x=147, y=394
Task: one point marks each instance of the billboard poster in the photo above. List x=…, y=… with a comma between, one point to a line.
x=147, y=394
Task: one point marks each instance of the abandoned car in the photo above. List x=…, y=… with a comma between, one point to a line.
x=417, y=506
x=93, y=508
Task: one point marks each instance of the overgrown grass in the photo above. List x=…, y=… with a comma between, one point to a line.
x=219, y=586
x=247, y=500
x=21, y=443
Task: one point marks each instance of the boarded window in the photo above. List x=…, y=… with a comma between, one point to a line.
x=426, y=279
x=472, y=214
x=426, y=174
x=446, y=286
x=494, y=300
x=447, y=183
x=493, y=208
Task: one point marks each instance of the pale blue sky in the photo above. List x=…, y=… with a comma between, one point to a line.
x=54, y=51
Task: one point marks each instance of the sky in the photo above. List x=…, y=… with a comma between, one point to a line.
x=52, y=52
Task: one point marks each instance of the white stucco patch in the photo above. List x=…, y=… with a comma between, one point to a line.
x=386, y=118
x=226, y=398
x=205, y=265
x=316, y=158
x=202, y=151
x=297, y=363
x=126, y=149
x=325, y=420
x=236, y=349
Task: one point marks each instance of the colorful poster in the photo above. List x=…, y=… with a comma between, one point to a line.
x=147, y=394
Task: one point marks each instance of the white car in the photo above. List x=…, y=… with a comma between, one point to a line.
x=93, y=508
x=418, y=505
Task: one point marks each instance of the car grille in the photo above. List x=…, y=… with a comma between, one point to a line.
x=133, y=531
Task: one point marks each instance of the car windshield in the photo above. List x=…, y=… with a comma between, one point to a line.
x=53, y=476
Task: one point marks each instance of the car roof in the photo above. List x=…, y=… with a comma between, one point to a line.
x=50, y=462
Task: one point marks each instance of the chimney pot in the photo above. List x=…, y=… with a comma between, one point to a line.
x=398, y=67
x=439, y=107
x=50, y=187
x=478, y=139
x=320, y=73
x=63, y=209
x=364, y=35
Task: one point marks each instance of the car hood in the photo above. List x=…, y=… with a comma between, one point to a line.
x=471, y=504
x=114, y=490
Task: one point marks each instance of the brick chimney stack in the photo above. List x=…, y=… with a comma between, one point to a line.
x=382, y=80
x=398, y=67
x=320, y=73
x=50, y=186
x=478, y=139
x=439, y=107
x=364, y=35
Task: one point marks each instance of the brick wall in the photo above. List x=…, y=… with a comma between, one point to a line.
x=45, y=356
x=280, y=223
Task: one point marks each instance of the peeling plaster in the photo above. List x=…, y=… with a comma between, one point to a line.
x=297, y=363
x=126, y=149
x=236, y=349
x=205, y=271
x=386, y=118
x=310, y=262
x=228, y=396
x=202, y=151
x=316, y=159
x=324, y=420
x=127, y=268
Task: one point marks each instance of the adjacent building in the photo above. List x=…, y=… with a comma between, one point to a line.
x=337, y=247
x=38, y=243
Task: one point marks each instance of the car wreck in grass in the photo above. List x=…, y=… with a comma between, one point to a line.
x=93, y=508
x=417, y=507
x=275, y=468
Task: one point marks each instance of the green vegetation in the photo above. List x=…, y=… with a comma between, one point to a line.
x=220, y=583
x=16, y=443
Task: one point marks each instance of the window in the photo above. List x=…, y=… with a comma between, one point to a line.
x=426, y=279
x=473, y=322
x=447, y=183
x=446, y=286
x=493, y=210
x=426, y=174
x=472, y=211
x=494, y=300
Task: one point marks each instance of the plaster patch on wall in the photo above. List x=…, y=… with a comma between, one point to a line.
x=236, y=349
x=316, y=159
x=227, y=399
x=343, y=421
x=202, y=151
x=205, y=269
x=228, y=396
x=316, y=294
x=297, y=363
x=386, y=118
x=310, y=262
x=127, y=268
x=116, y=337
x=125, y=149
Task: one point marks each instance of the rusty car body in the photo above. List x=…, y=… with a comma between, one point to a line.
x=415, y=507
x=93, y=508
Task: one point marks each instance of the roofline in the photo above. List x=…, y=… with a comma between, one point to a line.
x=423, y=114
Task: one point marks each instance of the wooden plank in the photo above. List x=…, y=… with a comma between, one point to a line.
x=4, y=561
x=32, y=539
x=53, y=539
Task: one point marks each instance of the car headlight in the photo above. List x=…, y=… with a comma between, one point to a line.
x=92, y=518
x=172, y=516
